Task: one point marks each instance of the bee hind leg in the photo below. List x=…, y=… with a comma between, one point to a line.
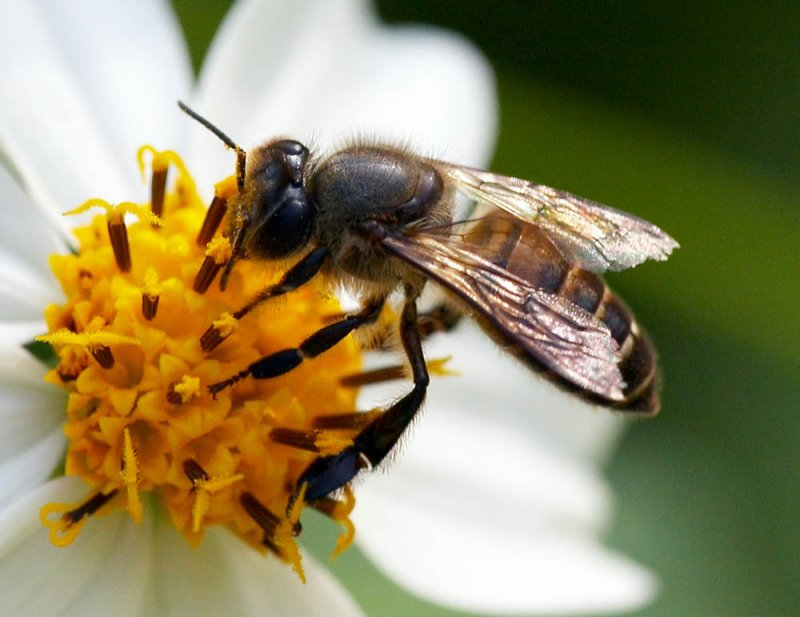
x=374, y=442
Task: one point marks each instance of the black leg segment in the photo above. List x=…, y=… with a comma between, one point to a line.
x=330, y=473
x=281, y=362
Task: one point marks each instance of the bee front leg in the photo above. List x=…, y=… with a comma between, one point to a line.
x=330, y=473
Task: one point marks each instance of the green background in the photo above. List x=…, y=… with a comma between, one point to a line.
x=687, y=114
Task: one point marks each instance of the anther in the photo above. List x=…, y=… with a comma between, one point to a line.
x=184, y=390
x=206, y=275
x=194, y=471
x=366, y=378
x=346, y=421
x=65, y=528
x=103, y=355
x=211, y=339
x=217, y=332
x=118, y=234
x=263, y=516
x=218, y=253
x=173, y=398
x=214, y=215
x=89, y=507
x=158, y=185
x=312, y=440
x=150, y=306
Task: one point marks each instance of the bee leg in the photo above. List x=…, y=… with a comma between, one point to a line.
x=298, y=275
x=281, y=362
x=330, y=473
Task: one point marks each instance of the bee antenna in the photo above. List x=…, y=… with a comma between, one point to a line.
x=241, y=153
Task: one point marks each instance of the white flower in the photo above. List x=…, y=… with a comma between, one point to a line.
x=495, y=504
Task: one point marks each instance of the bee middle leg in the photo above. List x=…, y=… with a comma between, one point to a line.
x=281, y=362
x=374, y=442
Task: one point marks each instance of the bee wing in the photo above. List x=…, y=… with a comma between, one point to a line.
x=592, y=236
x=565, y=338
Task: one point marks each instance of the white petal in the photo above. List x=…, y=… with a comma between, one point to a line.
x=31, y=439
x=47, y=126
x=104, y=571
x=17, y=333
x=27, y=239
x=492, y=474
x=224, y=576
x=132, y=64
x=260, y=71
x=496, y=386
x=487, y=569
x=330, y=73
x=423, y=87
x=470, y=517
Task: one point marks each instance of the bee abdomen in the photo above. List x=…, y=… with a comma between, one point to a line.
x=527, y=252
x=637, y=354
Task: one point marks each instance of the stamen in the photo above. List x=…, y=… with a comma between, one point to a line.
x=96, y=343
x=149, y=306
x=216, y=212
x=278, y=534
x=223, y=191
x=346, y=421
x=219, y=251
x=380, y=375
x=436, y=366
x=117, y=230
x=130, y=476
x=65, y=528
x=313, y=440
x=103, y=355
x=183, y=391
x=203, y=486
x=263, y=516
x=218, y=331
x=158, y=185
x=118, y=234
x=162, y=159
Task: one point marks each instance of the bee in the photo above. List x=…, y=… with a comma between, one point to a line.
x=525, y=265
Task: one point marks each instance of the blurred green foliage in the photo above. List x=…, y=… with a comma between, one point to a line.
x=687, y=114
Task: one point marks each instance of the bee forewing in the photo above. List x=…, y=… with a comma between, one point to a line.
x=562, y=336
x=592, y=236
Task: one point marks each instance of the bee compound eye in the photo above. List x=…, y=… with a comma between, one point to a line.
x=286, y=230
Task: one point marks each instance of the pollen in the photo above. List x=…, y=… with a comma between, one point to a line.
x=140, y=419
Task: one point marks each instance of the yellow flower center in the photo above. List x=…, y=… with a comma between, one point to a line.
x=140, y=416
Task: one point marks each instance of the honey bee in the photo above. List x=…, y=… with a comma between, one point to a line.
x=525, y=265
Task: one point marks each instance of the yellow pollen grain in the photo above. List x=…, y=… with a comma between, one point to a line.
x=225, y=325
x=329, y=443
x=219, y=249
x=188, y=388
x=151, y=287
x=124, y=436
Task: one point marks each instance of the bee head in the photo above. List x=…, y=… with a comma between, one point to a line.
x=281, y=217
